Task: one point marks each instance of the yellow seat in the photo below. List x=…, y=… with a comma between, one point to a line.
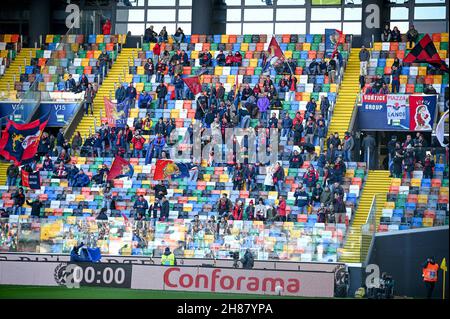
x=244, y=47
x=350, y=173
x=218, y=70
x=427, y=222
x=416, y=182
x=442, y=54
x=139, y=87
x=288, y=54
x=389, y=205
x=99, y=38
x=48, y=38
x=306, y=46
x=377, y=46
x=396, y=182
x=444, y=37
x=224, y=38
x=207, y=177
x=403, y=79
x=422, y=199
x=140, y=70
x=422, y=70
x=333, y=88
x=129, y=78
x=253, y=63
x=194, y=55
x=97, y=54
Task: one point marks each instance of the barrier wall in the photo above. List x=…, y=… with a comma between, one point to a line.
x=304, y=283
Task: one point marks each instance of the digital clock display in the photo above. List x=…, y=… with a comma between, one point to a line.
x=98, y=274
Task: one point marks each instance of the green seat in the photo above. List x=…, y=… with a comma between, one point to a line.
x=418, y=88
x=214, y=46
x=379, y=71
x=286, y=105
x=315, y=95
x=314, y=46
x=326, y=88
x=296, y=55
x=39, y=54
x=444, y=46
x=317, y=38
x=143, y=79
x=102, y=46
x=146, y=47
x=301, y=63
x=258, y=70
x=247, y=38
x=56, y=38
x=254, y=123
x=445, y=183
x=82, y=54
x=79, y=70
x=344, y=54
x=445, y=78
x=290, y=202
x=291, y=46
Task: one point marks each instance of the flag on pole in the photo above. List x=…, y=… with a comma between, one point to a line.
x=19, y=142
x=425, y=52
x=120, y=168
x=117, y=113
x=193, y=84
x=275, y=54
x=168, y=169
x=440, y=129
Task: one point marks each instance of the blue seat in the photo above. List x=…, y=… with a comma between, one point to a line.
x=410, y=206
x=398, y=213
x=404, y=227
x=234, y=70
x=283, y=46
x=303, y=55
x=309, y=38
x=217, y=38
x=426, y=182
x=92, y=38
x=405, y=70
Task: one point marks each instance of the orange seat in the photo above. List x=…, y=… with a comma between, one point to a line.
x=249, y=55
x=312, y=54
x=387, y=70
x=90, y=54
x=394, y=189
x=412, y=198
x=232, y=38
x=394, y=46
x=436, y=182
x=401, y=55
x=194, y=38
x=259, y=47
x=207, y=46
x=436, y=37
x=187, y=70
x=286, y=38
x=410, y=88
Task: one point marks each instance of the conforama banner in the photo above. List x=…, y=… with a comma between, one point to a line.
x=397, y=112
x=60, y=113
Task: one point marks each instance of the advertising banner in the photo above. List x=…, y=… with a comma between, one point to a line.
x=422, y=110
x=15, y=111
x=60, y=113
x=397, y=112
x=231, y=280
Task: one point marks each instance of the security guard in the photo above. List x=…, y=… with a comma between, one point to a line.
x=168, y=258
x=430, y=275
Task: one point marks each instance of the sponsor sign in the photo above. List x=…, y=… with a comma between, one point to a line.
x=60, y=113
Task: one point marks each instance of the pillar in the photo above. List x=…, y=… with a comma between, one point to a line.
x=374, y=15
x=202, y=16
x=40, y=15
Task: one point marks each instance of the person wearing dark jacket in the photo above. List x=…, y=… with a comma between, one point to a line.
x=224, y=206
x=131, y=94
x=81, y=179
x=248, y=260
x=161, y=92
x=121, y=94
x=11, y=174
x=35, y=207
x=160, y=191
x=278, y=177
x=428, y=166
x=316, y=193
x=19, y=200
x=179, y=88
x=165, y=207
x=296, y=160
x=141, y=205
x=220, y=58
x=302, y=200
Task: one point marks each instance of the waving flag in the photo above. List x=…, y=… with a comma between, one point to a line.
x=275, y=54
x=168, y=169
x=19, y=142
x=193, y=84
x=120, y=168
x=117, y=113
x=425, y=52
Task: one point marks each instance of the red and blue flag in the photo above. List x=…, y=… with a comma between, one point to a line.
x=19, y=142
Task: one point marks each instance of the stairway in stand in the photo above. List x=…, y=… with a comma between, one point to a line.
x=3, y=168
x=119, y=68
x=17, y=67
x=378, y=182
x=348, y=91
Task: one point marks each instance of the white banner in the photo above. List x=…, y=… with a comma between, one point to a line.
x=397, y=107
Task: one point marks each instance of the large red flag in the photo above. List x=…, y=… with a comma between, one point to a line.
x=19, y=142
x=425, y=51
x=109, y=108
x=120, y=168
x=274, y=48
x=193, y=84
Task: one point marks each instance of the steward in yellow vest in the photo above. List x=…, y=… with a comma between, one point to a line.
x=168, y=258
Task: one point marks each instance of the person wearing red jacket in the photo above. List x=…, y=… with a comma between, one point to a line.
x=238, y=211
x=237, y=59
x=156, y=51
x=298, y=119
x=107, y=27
x=138, y=144
x=281, y=209
x=229, y=59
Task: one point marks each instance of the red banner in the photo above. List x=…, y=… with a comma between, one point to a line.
x=274, y=48
x=31, y=180
x=193, y=84
x=109, y=108
x=120, y=168
x=422, y=109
